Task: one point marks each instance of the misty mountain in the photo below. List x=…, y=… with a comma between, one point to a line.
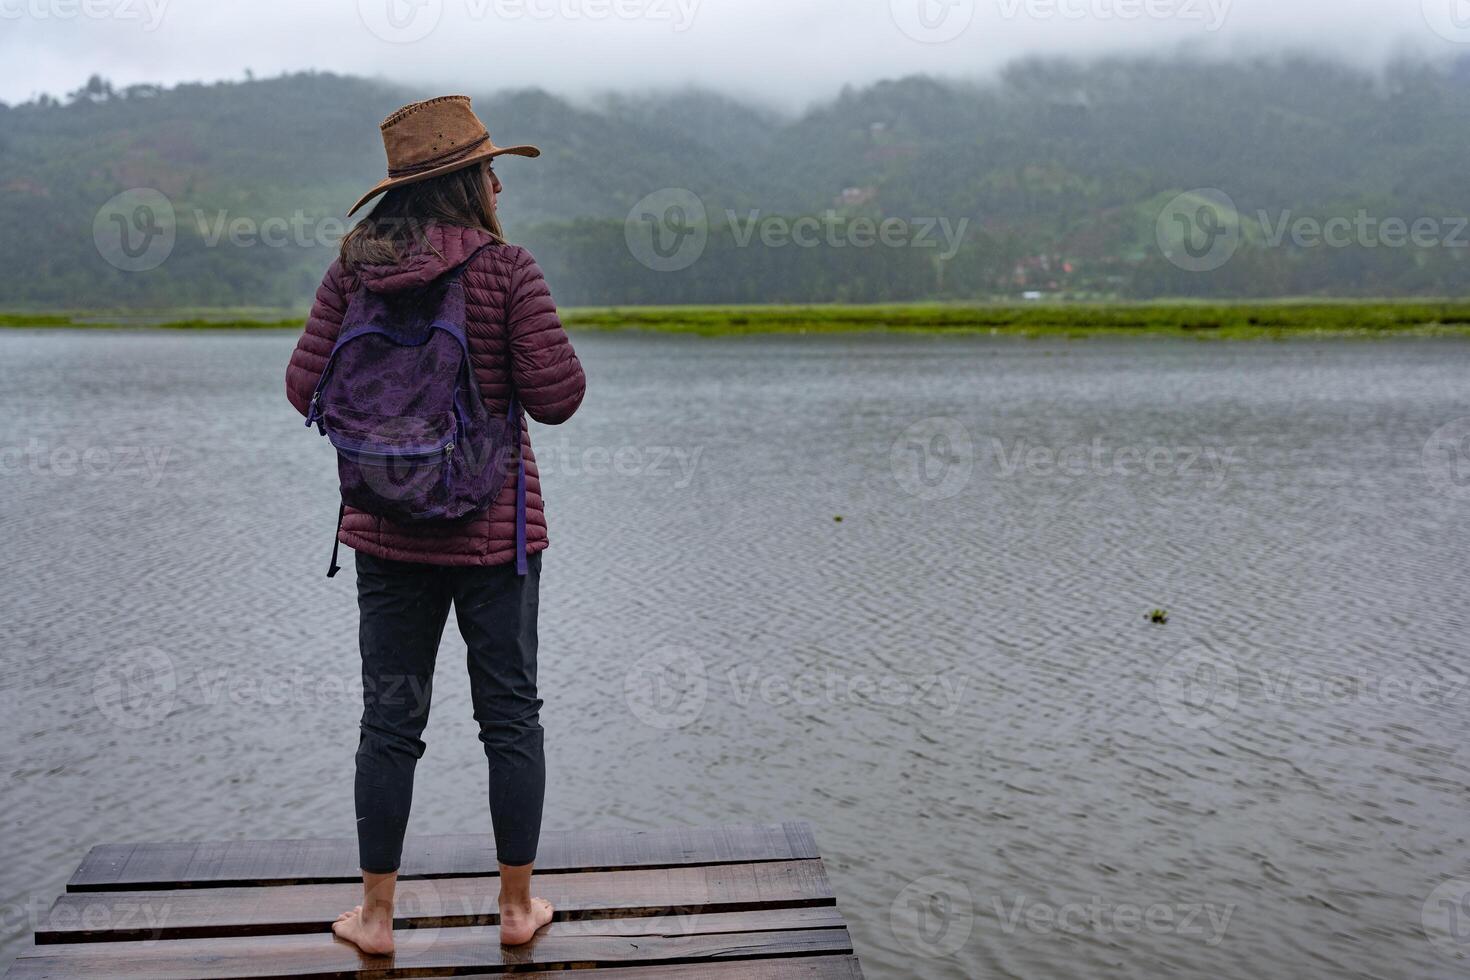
x=1057, y=173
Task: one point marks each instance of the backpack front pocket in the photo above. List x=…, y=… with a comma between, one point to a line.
x=396, y=466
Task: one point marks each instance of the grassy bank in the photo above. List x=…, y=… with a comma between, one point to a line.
x=175, y=320
x=1255, y=321
x=1230, y=322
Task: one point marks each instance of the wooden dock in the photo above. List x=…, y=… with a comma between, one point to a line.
x=700, y=904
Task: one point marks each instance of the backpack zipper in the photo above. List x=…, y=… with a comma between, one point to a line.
x=369, y=455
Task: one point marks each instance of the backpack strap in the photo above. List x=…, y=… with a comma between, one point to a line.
x=457, y=272
x=521, y=566
x=513, y=419
x=513, y=411
x=334, y=568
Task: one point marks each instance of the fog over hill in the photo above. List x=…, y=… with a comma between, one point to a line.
x=1064, y=177
x=788, y=53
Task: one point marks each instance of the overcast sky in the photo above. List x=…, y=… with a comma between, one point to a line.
x=784, y=52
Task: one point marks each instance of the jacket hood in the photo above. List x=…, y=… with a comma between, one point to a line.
x=447, y=246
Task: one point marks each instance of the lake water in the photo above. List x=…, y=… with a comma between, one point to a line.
x=1011, y=771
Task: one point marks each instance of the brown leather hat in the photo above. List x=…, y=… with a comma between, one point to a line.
x=426, y=139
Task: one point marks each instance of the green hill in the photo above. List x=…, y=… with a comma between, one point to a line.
x=1056, y=173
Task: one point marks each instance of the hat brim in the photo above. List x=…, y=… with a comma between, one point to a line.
x=486, y=152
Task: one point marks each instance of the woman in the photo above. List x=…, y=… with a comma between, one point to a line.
x=438, y=208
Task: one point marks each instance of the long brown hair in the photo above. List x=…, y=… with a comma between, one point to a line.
x=400, y=217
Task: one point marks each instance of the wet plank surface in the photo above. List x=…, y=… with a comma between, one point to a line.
x=294, y=862
x=686, y=904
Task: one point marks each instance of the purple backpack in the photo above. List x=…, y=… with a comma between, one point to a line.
x=399, y=401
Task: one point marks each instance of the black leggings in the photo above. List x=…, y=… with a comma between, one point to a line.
x=404, y=607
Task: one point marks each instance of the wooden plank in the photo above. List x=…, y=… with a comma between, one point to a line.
x=283, y=909
x=786, y=968
x=241, y=863
x=720, y=936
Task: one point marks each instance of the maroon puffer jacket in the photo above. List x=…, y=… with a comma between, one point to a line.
x=513, y=327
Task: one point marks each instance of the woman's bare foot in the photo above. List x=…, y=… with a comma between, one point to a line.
x=371, y=935
x=518, y=923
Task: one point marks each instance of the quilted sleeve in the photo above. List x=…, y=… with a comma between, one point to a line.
x=548, y=376
x=310, y=357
